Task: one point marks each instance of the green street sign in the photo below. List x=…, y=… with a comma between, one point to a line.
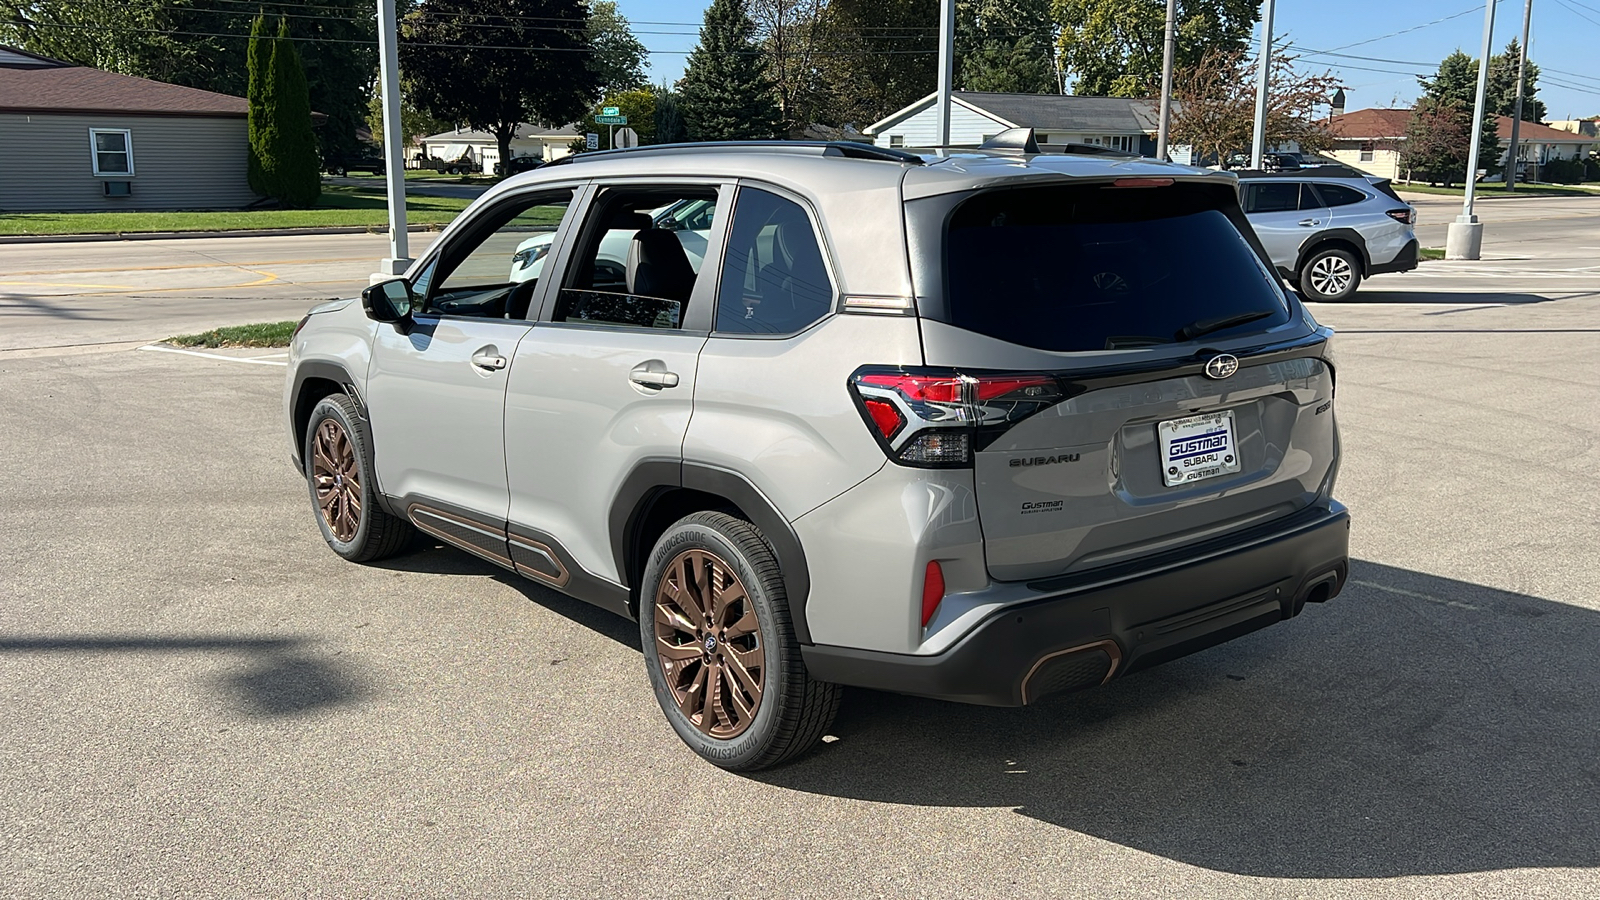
x=609, y=111
x=611, y=120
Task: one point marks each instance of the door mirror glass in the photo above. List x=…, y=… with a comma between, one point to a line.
x=388, y=301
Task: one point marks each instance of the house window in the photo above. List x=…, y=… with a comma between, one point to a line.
x=111, y=150
x=897, y=140
x=1366, y=151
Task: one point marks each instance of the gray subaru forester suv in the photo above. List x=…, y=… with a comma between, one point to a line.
x=986, y=426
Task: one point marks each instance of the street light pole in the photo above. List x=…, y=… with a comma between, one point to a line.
x=1166, y=81
x=1516, y=111
x=394, y=160
x=1259, y=137
x=1464, y=238
x=947, y=69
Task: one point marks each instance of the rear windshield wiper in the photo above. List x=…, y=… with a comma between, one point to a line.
x=1206, y=326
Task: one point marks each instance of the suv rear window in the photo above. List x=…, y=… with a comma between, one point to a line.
x=1080, y=268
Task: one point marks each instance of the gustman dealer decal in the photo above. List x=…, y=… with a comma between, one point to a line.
x=1042, y=506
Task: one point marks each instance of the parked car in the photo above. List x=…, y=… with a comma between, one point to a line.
x=1328, y=228
x=988, y=426
x=1275, y=161
x=366, y=161
x=690, y=220
x=518, y=165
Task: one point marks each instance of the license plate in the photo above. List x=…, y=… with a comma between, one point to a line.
x=1197, y=447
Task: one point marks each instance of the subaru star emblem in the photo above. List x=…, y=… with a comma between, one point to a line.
x=1222, y=366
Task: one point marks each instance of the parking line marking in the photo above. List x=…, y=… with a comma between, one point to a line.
x=1405, y=593
x=238, y=359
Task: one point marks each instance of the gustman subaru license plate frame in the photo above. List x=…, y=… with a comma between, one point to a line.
x=1195, y=448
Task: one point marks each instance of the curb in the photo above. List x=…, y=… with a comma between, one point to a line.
x=181, y=235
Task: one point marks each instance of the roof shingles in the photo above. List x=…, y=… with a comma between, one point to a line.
x=27, y=87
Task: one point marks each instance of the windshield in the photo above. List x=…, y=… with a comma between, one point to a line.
x=1104, y=268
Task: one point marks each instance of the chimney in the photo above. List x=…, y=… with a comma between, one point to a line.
x=1337, y=103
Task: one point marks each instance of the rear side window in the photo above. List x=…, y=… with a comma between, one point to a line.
x=1339, y=195
x=1273, y=196
x=773, y=277
x=1101, y=268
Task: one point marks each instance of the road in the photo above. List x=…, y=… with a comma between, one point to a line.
x=201, y=700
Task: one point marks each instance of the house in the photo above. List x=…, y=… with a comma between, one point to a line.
x=1539, y=144
x=483, y=149
x=976, y=116
x=1589, y=127
x=1370, y=140
x=77, y=138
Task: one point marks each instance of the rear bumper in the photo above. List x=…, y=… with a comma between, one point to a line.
x=1404, y=261
x=1076, y=637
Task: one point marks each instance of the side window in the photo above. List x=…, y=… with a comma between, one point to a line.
x=491, y=268
x=773, y=277
x=640, y=257
x=1272, y=196
x=1339, y=195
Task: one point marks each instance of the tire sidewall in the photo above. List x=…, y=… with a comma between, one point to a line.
x=1311, y=293
x=755, y=742
x=328, y=408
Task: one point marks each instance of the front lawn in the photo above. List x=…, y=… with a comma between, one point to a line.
x=339, y=206
x=1494, y=190
x=1431, y=253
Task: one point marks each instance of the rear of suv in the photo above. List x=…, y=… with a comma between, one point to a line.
x=980, y=426
x=1329, y=227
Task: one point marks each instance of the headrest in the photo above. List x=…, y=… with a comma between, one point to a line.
x=628, y=220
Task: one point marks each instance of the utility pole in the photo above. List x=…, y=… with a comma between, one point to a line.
x=394, y=158
x=1464, y=238
x=1259, y=137
x=1166, y=82
x=947, y=69
x=1522, y=85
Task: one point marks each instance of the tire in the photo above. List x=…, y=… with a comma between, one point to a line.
x=337, y=453
x=1329, y=276
x=790, y=712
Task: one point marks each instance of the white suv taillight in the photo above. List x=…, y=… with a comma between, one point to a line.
x=937, y=418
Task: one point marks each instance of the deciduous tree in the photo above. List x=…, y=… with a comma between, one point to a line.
x=878, y=56
x=619, y=59
x=1453, y=91
x=496, y=63
x=1114, y=47
x=1215, y=108
x=1006, y=46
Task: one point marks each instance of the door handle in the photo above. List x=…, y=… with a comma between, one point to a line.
x=653, y=379
x=489, y=358
x=1309, y=223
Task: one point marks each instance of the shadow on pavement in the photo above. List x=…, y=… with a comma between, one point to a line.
x=1366, y=297
x=1414, y=725
x=283, y=679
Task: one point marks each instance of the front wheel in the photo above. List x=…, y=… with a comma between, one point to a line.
x=720, y=650
x=338, y=468
x=1330, y=275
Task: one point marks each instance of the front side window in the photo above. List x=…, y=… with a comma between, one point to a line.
x=1084, y=268
x=491, y=268
x=112, y=151
x=773, y=278
x=640, y=257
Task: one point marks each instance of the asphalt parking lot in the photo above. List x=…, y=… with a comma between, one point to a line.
x=201, y=700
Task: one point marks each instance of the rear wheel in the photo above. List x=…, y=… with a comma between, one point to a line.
x=338, y=467
x=1330, y=275
x=720, y=650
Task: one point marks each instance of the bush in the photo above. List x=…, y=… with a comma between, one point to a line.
x=1591, y=169
x=1562, y=171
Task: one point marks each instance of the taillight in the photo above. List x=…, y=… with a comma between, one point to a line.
x=299, y=325
x=932, y=590
x=938, y=418
x=1407, y=216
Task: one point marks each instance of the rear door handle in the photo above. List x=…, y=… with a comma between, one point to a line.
x=653, y=379
x=489, y=358
x=1309, y=223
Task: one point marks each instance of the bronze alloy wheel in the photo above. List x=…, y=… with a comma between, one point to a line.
x=337, y=479
x=708, y=641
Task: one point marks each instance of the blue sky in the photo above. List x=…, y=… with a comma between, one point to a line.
x=1565, y=37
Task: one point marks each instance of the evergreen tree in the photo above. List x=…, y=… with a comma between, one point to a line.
x=1006, y=46
x=669, y=118
x=291, y=165
x=1502, y=95
x=726, y=95
x=1451, y=96
x=259, y=62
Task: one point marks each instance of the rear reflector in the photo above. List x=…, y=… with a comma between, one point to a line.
x=932, y=591
x=1142, y=182
x=887, y=419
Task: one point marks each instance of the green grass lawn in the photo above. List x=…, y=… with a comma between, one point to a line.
x=1496, y=190
x=1431, y=253
x=338, y=206
x=263, y=334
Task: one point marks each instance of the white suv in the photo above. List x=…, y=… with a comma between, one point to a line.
x=985, y=426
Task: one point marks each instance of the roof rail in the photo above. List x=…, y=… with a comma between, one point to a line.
x=1326, y=170
x=846, y=149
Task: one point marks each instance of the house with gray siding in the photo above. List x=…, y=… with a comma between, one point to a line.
x=976, y=116
x=76, y=138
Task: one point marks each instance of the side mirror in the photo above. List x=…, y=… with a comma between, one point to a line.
x=388, y=301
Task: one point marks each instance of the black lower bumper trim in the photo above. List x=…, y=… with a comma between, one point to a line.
x=1085, y=636
x=1404, y=261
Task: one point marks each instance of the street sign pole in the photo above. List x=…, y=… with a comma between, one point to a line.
x=1522, y=82
x=1258, y=138
x=947, y=57
x=1166, y=82
x=394, y=163
x=1464, y=238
